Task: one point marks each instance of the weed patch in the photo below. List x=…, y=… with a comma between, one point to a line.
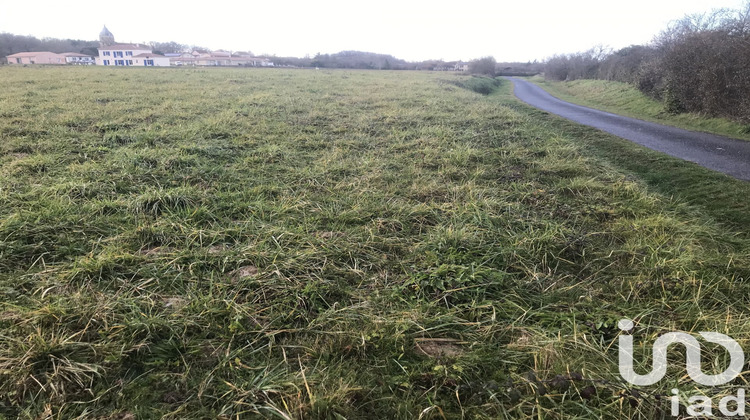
x=479, y=84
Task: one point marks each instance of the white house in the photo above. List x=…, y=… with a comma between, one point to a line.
x=461, y=66
x=130, y=55
x=114, y=54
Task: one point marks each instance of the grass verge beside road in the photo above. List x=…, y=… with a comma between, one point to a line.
x=624, y=99
x=239, y=243
x=714, y=194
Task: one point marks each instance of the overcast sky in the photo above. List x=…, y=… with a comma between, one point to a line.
x=521, y=30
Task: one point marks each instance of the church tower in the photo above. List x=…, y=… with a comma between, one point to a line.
x=106, y=38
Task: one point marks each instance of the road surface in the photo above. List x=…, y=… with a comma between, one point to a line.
x=721, y=154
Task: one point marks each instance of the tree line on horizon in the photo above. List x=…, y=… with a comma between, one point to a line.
x=699, y=64
x=11, y=44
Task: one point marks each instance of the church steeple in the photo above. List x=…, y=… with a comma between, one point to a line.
x=106, y=38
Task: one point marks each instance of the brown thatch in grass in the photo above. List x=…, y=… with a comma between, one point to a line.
x=439, y=348
x=244, y=272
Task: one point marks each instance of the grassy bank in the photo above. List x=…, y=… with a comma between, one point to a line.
x=233, y=243
x=624, y=99
x=478, y=84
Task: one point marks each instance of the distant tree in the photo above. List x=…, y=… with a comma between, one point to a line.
x=583, y=65
x=484, y=65
x=292, y=61
x=168, y=47
x=557, y=67
x=358, y=60
x=11, y=44
x=199, y=49
x=429, y=64
x=626, y=64
x=320, y=60
x=519, y=69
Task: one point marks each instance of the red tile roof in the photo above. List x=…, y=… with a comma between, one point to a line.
x=29, y=54
x=126, y=47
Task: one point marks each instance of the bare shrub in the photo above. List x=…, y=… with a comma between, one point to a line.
x=699, y=64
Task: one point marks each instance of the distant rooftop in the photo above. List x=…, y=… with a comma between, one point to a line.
x=30, y=54
x=126, y=47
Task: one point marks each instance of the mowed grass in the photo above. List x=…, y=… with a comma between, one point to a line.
x=234, y=243
x=625, y=99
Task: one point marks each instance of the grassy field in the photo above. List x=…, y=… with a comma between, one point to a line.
x=235, y=243
x=624, y=99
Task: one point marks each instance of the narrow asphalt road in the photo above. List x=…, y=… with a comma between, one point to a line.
x=721, y=154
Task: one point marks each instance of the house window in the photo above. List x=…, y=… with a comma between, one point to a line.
x=18, y=61
x=106, y=53
x=118, y=53
x=119, y=62
x=106, y=62
x=148, y=62
x=129, y=53
x=130, y=62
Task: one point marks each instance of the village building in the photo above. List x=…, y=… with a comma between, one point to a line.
x=452, y=66
x=79, y=59
x=41, y=57
x=461, y=66
x=47, y=57
x=218, y=58
x=114, y=54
